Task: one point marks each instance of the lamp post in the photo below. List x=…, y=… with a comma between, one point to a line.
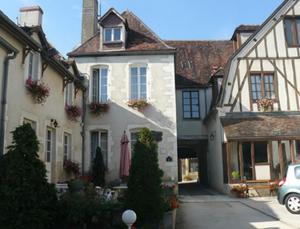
x=129, y=218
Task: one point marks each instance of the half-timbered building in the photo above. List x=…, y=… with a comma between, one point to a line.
x=256, y=123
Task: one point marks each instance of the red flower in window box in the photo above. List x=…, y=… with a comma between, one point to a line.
x=39, y=91
x=98, y=108
x=73, y=112
x=71, y=167
x=138, y=104
x=265, y=104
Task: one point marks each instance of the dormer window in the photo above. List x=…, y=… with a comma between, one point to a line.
x=112, y=34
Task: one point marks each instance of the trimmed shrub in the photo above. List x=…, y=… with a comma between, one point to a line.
x=27, y=200
x=144, y=194
x=98, y=169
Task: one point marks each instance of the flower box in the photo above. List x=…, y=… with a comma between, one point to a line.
x=265, y=105
x=73, y=112
x=98, y=108
x=138, y=104
x=38, y=90
x=71, y=167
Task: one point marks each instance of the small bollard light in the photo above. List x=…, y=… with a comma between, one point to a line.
x=129, y=218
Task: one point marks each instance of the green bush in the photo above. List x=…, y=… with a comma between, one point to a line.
x=27, y=200
x=85, y=210
x=144, y=194
x=98, y=169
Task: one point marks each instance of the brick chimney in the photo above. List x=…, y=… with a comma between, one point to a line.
x=31, y=16
x=89, y=19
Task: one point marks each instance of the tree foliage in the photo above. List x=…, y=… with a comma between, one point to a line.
x=98, y=169
x=27, y=200
x=144, y=194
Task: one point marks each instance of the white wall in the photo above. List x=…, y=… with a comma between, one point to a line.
x=159, y=116
x=193, y=128
x=20, y=106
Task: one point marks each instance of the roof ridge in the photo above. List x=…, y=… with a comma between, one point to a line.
x=223, y=40
x=148, y=28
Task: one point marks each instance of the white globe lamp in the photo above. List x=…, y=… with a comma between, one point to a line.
x=129, y=218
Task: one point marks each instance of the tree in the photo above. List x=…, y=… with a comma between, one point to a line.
x=27, y=200
x=98, y=169
x=144, y=193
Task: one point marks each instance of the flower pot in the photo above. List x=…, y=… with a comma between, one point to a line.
x=169, y=220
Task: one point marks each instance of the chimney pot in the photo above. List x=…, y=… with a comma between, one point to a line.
x=31, y=16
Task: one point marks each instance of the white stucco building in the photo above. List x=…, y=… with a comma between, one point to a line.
x=126, y=62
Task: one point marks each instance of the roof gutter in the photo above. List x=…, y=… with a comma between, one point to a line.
x=11, y=53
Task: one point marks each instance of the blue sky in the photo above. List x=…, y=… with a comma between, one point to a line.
x=170, y=19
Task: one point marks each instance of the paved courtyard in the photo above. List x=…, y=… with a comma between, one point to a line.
x=209, y=210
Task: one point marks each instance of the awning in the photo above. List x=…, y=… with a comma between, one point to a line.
x=262, y=126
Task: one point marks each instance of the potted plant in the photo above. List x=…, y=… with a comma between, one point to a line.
x=98, y=108
x=239, y=190
x=38, y=90
x=73, y=112
x=235, y=175
x=71, y=167
x=265, y=105
x=138, y=104
x=170, y=206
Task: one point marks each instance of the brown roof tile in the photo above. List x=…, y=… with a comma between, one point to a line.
x=139, y=38
x=197, y=60
x=262, y=126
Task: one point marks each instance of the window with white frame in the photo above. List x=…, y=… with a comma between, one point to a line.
x=31, y=122
x=49, y=144
x=133, y=139
x=67, y=146
x=112, y=34
x=138, y=83
x=99, y=85
x=33, y=66
x=99, y=139
x=69, y=94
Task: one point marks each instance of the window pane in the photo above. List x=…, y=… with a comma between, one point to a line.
x=195, y=95
x=186, y=101
x=298, y=30
x=103, y=146
x=261, y=152
x=108, y=35
x=187, y=108
x=143, y=71
x=30, y=66
x=117, y=34
x=134, y=71
x=133, y=138
x=195, y=114
x=95, y=85
x=94, y=143
x=103, y=81
x=195, y=108
x=187, y=115
x=297, y=172
x=186, y=95
x=288, y=31
x=195, y=101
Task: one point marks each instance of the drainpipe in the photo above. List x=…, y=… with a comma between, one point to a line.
x=11, y=54
x=83, y=129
